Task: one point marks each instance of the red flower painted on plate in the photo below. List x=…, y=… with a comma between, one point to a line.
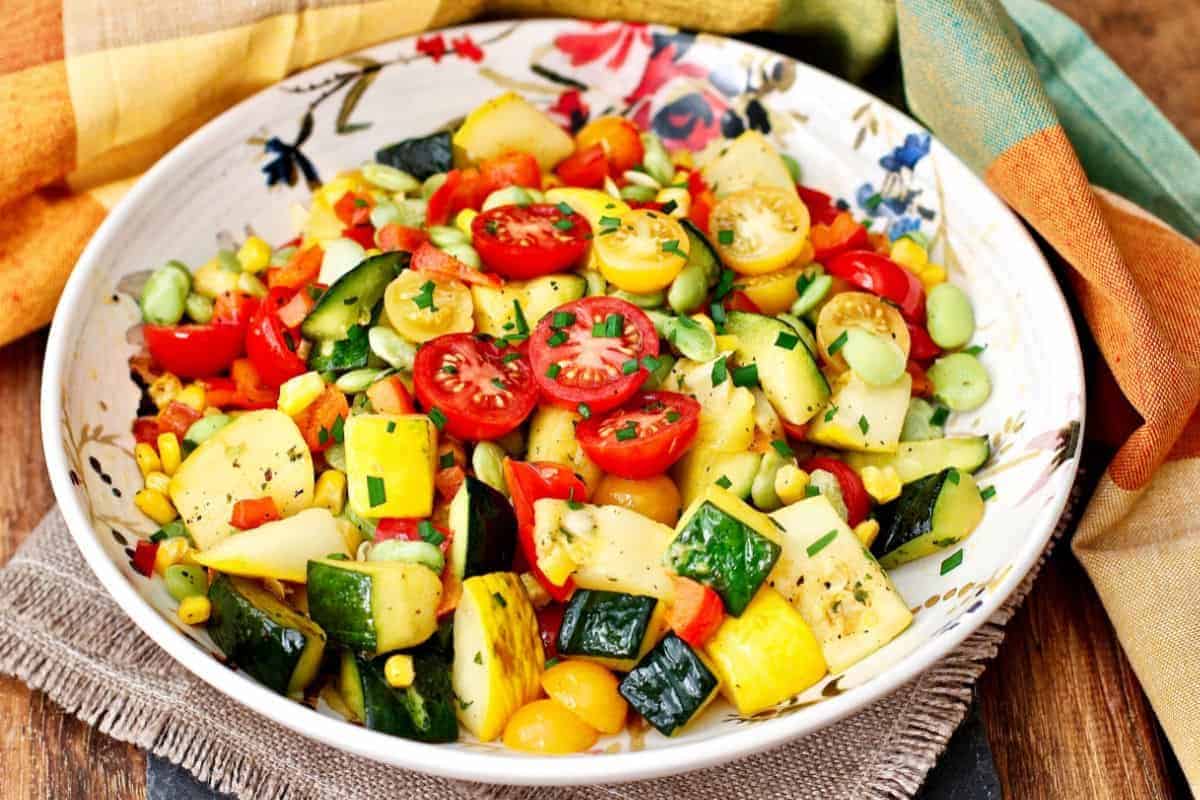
x=465, y=47
x=432, y=46
x=571, y=110
x=614, y=39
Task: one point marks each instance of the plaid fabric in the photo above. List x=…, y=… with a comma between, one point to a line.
x=94, y=91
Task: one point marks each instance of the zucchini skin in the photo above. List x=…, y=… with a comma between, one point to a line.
x=352, y=296
x=908, y=516
x=670, y=686
x=342, y=600
x=724, y=553
x=260, y=643
x=930, y=515
x=610, y=627
x=489, y=540
x=420, y=156
x=423, y=711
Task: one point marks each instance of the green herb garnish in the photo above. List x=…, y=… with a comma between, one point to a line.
x=424, y=297
x=820, y=544
x=746, y=375
x=725, y=236
x=437, y=418
x=376, y=491
x=783, y=448
x=951, y=562
x=719, y=372
x=839, y=343
x=553, y=370
x=723, y=482
x=787, y=341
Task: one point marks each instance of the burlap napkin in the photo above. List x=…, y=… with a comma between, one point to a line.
x=112, y=676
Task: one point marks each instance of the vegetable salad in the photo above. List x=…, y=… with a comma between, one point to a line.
x=527, y=432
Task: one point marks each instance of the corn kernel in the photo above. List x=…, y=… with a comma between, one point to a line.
x=908, y=253
x=866, y=531
x=931, y=275
x=538, y=596
x=193, y=395
x=683, y=201
x=682, y=158
x=158, y=481
x=705, y=322
x=195, y=610
x=372, y=252
x=464, y=219
x=298, y=393
x=164, y=389
x=330, y=491
x=254, y=254
x=170, y=552
x=791, y=483
x=147, y=459
x=398, y=671
x=882, y=483
x=168, y=452
x=155, y=505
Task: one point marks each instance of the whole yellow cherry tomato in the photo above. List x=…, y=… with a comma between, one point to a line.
x=422, y=306
x=545, y=726
x=643, y=252
x=590, y=691
x=760, y=229
x=656, y=498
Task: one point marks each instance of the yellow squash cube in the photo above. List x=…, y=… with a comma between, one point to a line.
x=390, y=461
x=766, y=655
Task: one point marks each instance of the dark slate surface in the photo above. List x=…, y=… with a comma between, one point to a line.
x=965, y=772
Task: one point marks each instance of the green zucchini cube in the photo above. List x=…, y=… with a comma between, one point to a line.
x=670, y=686
x=610, y=628
x=725, y=547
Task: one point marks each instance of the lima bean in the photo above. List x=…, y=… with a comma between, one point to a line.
x=689, y=289
x=656, y=160
x=185, y=580
x=384, y=212
x=199, y=308
x=432, y=184
x=951, y=320
x=654, y=381
x=357, y=380
x=508, y=196
x=637, y=193
x=596, y=284
x=445, y=235
x=390, y=346
x=691, y=339
x=390, y=178
x=918, y=422
x=164, y=295
x=464, y=253
x=762, y=490
x=644, y=301
x=960, y=381
x=877, y=360
x=487, y=461
x=412, y=212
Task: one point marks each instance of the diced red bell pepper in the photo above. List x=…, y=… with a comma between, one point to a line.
x=797, y=431
x=253, y=512
x=302, y=269
x=511, y=169
x=391, y=396
x=740, y=301
x=145, y=430
x=921, y=385
x=447, y=481
x=586, y=167
x=392, y=237
x=703, y=200
x=195, y=351
x=821, y=208
x=428, y=258
x=844, y=233
x=696, y=612
x=881, y=276
x=176, y=418
x=293, y=312
x=409, y=529
x=143, y=557
x=854, y=494
x=363, y=234
x=318, y=422
x=463, y=188
x=532, y=481
x=244, y=390
x=353, y=208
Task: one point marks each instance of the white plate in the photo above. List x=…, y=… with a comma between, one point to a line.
x=689, y=88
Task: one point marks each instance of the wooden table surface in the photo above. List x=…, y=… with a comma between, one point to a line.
x=1063, y=711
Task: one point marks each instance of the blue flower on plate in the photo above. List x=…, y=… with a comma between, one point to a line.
x=915, y=147
x=287, y=162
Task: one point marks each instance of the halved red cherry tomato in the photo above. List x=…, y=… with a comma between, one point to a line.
x=854, y=494
x=390, y=396
x=821, y=208
x=618, y=137
x=482, y=391
x=195, y=351
x=363, y=234
x=293, y=312
x=269, y=343
x=703, y=200
x=409, y=529
x=643, y=437
x=353, y=208
x=844, y=233
x=252, y=512
x=145, y=430
x=921, y=346
x=464, y=188
x=511, y=169
x=881, y=276
x=588, y=353
x=236, y=308
x=532, y=481
x=428, y=258
x=523, y=242
x=393, y=237
x=586, y=167
x=301, y=270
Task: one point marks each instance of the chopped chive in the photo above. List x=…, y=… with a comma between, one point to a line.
x=391, y=426
x=872, y=202
x=446, y=460
x=508, y=358
x=938, y=417
x=629, y=367
x=338, y=429
x=811, y=491
x=376, y=492
x=717, y=312
x=746, y=375
x=669, y=206
x=863, y=424
x=360, y=203
x=598, y=330
x=951, y=562
x=491, y=226
x=499, y=600
x=428, y=533
x=820, y=544
x=565, y=209
x=719, y=372
x=614, y=324
x=987, y=493
x=831, y=413
x=562, y=319
x=724, y=284
x=585, y=411
x=564, y=224
x=650, y=363
x=553, y=370
x=322, y=436
x=787, y=341
x=838, y=343
x=610, y=222
x=975, y=349
x=952, y=476
x=783, y=448
x=499, y=384
x=672, y=246
x=725, y=236
x=424, y=298
x=437, y=418
x=522, y=325
x=449, y=369
x=723, y=482
x=803, y=282
x=627, y=431
x=673, y=416
x=557, y=338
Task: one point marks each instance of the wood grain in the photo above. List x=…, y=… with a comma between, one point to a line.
x=1064, y=714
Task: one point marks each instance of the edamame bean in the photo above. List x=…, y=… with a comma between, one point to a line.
x=464, y=253
x=445, y=235
x=164, y=295
x=397, y=351
x=960, y=381
x=656, y=160
x=596, y=284
x=918, y=422
x=814, y=292
x=384, y=212
x=357, y=380
x=638, y=193
x=666, y=362
x=950, y=319
x=648, y=300
x=877, y=360
x=199, y=308
x=508, y=196
x=793, y=166
x=390, y=178
x=175, y=263
x=412, y=212
x=688, y=290
x=185, y=580
x=487, y=461
x=432, y=184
